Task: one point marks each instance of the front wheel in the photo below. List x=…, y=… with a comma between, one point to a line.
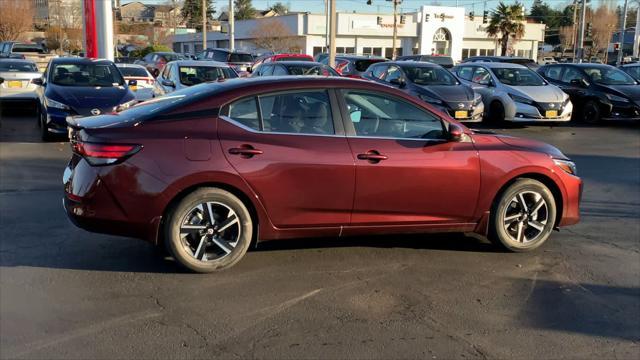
x=209, y=230
x=496, y=113
x=44, y=128
x=591, y=112
x=523, y=217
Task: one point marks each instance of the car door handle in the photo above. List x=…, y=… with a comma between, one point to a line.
x=372, y=156
x=245, y=151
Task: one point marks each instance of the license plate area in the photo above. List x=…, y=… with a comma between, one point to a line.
x=461, y=114
x=14, y=84
x=551, y=113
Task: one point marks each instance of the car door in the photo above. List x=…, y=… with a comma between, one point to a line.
x=407, y=173
x=293, y=153
x=576, y=92
x=279, y=70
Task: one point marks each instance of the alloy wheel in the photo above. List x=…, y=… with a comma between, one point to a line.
x=525, y=217
x=210, y=231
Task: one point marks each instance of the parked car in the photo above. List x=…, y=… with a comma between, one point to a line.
x=240, y=61
x=15, y=79
x=601, y=92
x=294, y=68
x=281, y=57
x=632, y=69
x=218, y=159
x=184, y=73
x=504, y=59
x=432, y=84
x=155, y=61
x=140, y=80
x=444, y=61
x=353, y=66
x=27, y=51
x=79, y=87
x=547, y=60
x=513, y=92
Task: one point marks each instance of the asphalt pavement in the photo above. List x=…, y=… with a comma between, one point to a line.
x=67, y=293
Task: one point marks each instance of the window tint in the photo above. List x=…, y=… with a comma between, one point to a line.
x=393, y=73
x=571, y=74
x=220, y=56
x=267, y=70
x=245, y=111
x=553, y=72
x=133, y=71
x=481, y=76
x=379, y=115
x=305, y=112
x=465, y=72
x=17, y=66
x=378, y=71
x=279, y=70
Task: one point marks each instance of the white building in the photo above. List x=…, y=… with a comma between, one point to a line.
x=432, y=30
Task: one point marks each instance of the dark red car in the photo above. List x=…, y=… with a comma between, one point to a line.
x=208, y=169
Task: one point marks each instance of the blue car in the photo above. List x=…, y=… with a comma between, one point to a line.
x=78, y=87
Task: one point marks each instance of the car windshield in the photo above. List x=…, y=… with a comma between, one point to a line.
x=432, y=75
x=27, y=48
x=322, y=70
x=608, y=76
x=173, y=57
x=633, y=71
x=293, y=58
x=133, y=71
x=192, y=75
x=86, y=74
x=240, y=58
x=518, y=77
x=15, y=66
x=362, y=65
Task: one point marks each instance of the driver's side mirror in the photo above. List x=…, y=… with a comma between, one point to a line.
x=398, y=82
x=456, y=133
x=37, y=81
x=579, y=82
x=168, y=83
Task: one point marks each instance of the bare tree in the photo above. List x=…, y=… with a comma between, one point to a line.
x=16, y=18
x=604, y=20
x=566, y=37
x=273, y=35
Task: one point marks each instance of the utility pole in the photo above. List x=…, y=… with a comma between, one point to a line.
x=332, y=33
x=575, y=33
x=636, y=36
x=326, y=24
x=204, y=25
x=623, y=25
x=395, y=27
x=232, y=36
x=583, y=17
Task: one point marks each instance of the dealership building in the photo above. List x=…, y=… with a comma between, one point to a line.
x=431, y=30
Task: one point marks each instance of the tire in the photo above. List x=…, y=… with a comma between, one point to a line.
x=204, y=243
x=44, y=130
x=590, y=113
x=519, y=231
x=496, y=113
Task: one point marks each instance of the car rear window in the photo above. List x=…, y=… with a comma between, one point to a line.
x=235, y=57
x=15, y=66
x=27, y=48
x=293, y=58
x=363, y=65
x=440, y=60
x=133, y=71
x=193, y=75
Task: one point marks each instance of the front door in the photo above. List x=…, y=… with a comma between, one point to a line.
x=286, y=147
x=406, y=172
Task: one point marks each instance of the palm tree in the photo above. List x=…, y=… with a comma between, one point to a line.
x=507, y=21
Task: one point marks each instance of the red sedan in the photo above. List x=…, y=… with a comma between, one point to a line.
x=209, y=169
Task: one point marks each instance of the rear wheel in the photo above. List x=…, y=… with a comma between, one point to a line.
x=591, y=112
x=523, y=217
x=496, y=112
x=209, y=230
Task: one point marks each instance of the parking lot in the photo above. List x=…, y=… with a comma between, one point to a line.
x=67, y=293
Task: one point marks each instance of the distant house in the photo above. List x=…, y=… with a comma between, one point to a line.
x=161, y=15
x=224, y=16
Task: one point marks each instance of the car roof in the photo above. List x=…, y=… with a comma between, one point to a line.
x=492, y=65
x=360, y=57
x=413, y=63
x=80, y=60
x=499, y=57
x=229, y=51
x=130, y=65
x=17, y=61
x=583, y=65
x=630, y=65
x=285, y=81
x=312, y=63
x=199, y=63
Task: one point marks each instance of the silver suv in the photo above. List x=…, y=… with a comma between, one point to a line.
x=512, y=92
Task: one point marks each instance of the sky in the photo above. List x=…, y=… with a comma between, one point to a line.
x=381, y=6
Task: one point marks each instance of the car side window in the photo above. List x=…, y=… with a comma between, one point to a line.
x=378, y=71
x=571, y=74
x=166, y=71
x=553, y=72
x=302, y=112
x=381, y=115
x=279, y=70
x=393, y=72
x=245, y=111
x=481, y=76
x=465, y=72
x=267, y=70
x=219, y=56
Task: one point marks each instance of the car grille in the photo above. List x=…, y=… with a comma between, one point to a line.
x=455, y=105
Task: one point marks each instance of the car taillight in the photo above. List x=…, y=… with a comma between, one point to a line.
x=104, y=154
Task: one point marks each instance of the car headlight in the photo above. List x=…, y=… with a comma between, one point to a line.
x=477, y=100
x=521, y=99
x=567, y=166
x=431, y=100
x=55, y=104
x=125, y=106
x=616, y=98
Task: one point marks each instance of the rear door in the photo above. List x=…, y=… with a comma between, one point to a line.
x=291, y=149
x=406, y=172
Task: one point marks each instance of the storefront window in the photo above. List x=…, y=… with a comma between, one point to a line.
x=465, y=53
x=442, y=42
x=491, y=52
x=377, y=51
x=318, y=50
x=389, y=55
x=473, y=52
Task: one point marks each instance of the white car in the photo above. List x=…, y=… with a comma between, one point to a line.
x=547, y=60
x=143, y=90
x=15, y=79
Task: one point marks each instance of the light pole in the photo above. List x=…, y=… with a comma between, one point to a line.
x=395, y=27
x=332, y=33
x=232, y=36
x=204, y=25
x=636, y=36
x=583, y=17
x=623, y=25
